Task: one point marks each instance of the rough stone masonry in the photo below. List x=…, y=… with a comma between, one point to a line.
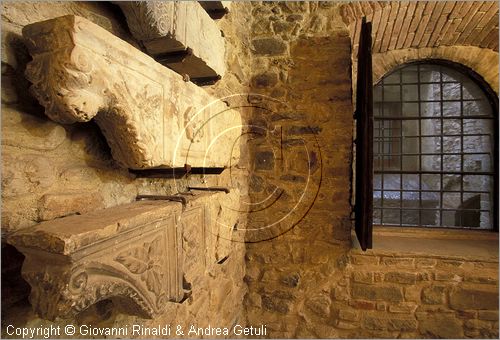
x=289, y=70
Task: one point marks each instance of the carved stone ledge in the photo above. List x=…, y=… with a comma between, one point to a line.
x=132, y=253
x=143, y=254
x=168, y=28
x=207, y=226
x=149, y=115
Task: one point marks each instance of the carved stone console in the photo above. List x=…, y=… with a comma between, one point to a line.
x=149, y=115
x=130, y=252
x=142, y=254
x=178, y=34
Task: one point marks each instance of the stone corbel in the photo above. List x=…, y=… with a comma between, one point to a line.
x=150, y=116
x=180, y=35
x=132, y=253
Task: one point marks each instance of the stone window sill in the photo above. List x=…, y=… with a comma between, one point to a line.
x=471, y=245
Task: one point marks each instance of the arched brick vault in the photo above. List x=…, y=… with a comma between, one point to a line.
x=459, y=31
x=417, y=24
x=483, y=61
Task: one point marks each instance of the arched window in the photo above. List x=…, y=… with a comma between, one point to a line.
x=434, y=151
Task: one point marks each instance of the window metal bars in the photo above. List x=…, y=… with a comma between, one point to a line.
x=381, y=143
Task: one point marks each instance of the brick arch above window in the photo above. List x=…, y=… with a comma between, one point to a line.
x=482, y=61
x=417, y=24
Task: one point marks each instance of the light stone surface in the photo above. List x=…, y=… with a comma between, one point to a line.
x=147, y=252
x=44, y=162
x=166, y=27
x=149, y=115
x=129, y=252
x=299, y=285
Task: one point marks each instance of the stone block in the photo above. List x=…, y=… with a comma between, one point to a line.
x=434, y=295
x=488, y=315
x=477, y=324
x=377, y=292
x=474, y=297
x=441, y=326
x=402, y=324
x=269, y=46
x=28, y=131
x=482, y=278
x=275, y=304
x=59, y=205
x=253, y=300
x=398, y=262
x=348, y=315
x=450, y=264
x=363, y=277
x=403, y=308
x=425, y=263
x=412, y=294
x=365, y=305
x=444, y=276
x=291, y=280
x=180, y=35
x=341, y=294
x=363, y=260
x=265, y=80
x=129, y=252
x=346, y=325
x=304, y=130
x=25, y=173
x=264, y=160
x=401, y=277
x=319, y=305
x=149, y=115
x=467, y=314
x=374, y=323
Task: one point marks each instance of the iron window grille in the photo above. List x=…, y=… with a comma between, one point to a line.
x=434, y=148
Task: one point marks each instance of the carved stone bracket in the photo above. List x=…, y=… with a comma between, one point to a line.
x=130, y=252
x=178, y=34
x=143, y=254
x=207, y=226
x=149, y=115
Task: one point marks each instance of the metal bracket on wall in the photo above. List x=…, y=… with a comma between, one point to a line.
x=180, y=199
x=226, y=190
x=175, y=172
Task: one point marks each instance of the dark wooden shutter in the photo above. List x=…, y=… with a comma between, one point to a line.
x=364, y=139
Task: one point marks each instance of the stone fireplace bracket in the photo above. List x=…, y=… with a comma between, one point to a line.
x=151, y=118
x=131, y=254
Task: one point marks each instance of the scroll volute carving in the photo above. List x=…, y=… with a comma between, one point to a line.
x=75, y=79
x=80, y=71
x=131, y=252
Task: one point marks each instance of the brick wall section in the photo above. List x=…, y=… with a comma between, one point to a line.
x=417, y=24
x=307, y=282
x=483, y=61
x=404, y=295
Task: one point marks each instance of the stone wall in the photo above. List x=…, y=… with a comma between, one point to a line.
x=304, y=279
x=393, y=295
x=51, y=170
x=301, y=278
x=302, y=57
